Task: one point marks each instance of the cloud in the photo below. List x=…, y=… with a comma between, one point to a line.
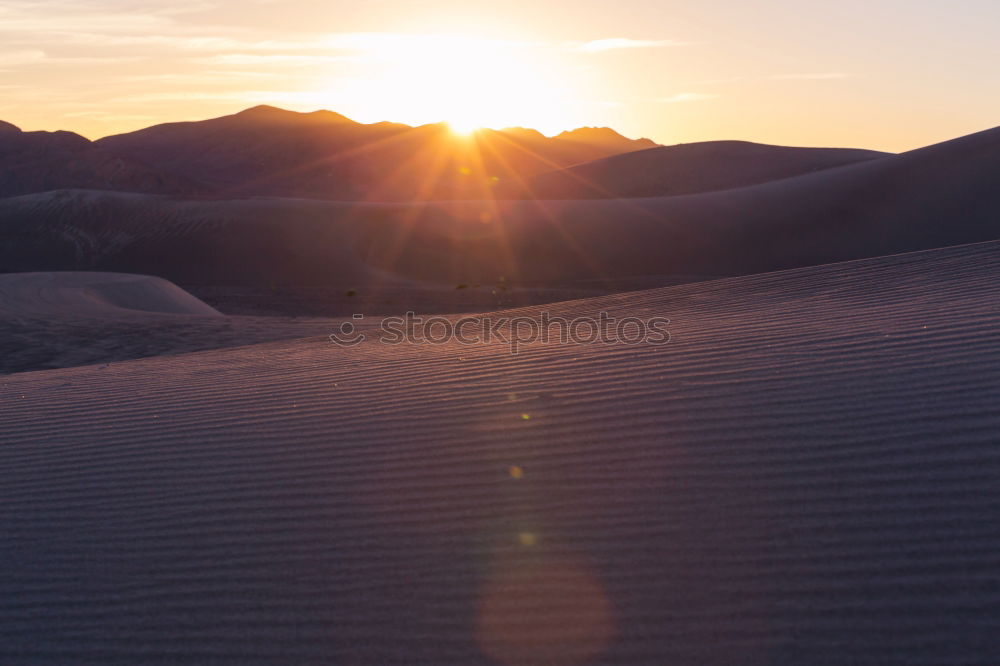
x=69, y=20
x=818, y=76
x=396, y=43
x=107, y=115
x=254, y=59
x=680, y=98
x=207, y=76
x=239, y=96
x=25, y=57
x=103, y=27
x=614, y=43
x=39, y=57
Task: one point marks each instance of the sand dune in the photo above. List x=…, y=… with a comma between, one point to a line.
x=806, y=474
x=683, y=169
x=56, y=320
x=72, y=294
x=65, y=319
x=941, y=195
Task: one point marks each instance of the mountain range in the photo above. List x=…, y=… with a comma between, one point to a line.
x=39, y=161
x=266, y=151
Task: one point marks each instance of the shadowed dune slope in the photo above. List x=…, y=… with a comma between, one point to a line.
x=940, y=195
x=806, y=474
x=684, y=169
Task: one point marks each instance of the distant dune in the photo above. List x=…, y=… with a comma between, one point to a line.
x=683, y=169
x=940, y=195
x=63, y=319
x=71, y=294
x=806, y=474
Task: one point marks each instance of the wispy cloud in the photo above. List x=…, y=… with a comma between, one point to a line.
x=105, y=115
x=811, y=76
x=108, y=27
x=395, y=43
x=201, y=76
x=241, y=96
x=23, y=57
x=680, y=98
x=614, y=43
x=191, y=54
x=26, y=57
x=290, y=59
x=67, y=17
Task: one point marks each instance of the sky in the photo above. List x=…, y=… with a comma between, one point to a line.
x=881, y=74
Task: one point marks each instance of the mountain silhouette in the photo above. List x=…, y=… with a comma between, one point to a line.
x=267, y=151
x=39, y=161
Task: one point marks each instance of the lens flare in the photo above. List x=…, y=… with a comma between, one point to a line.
x=543, y=609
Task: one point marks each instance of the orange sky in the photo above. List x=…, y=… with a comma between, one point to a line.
x=884, y=74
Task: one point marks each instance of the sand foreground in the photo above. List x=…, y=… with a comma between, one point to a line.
x=806, y=474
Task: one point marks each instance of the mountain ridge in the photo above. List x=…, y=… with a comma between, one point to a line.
x=269, y=151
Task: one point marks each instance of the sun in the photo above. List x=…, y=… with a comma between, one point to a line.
x=467, y=81
x=464, y=127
